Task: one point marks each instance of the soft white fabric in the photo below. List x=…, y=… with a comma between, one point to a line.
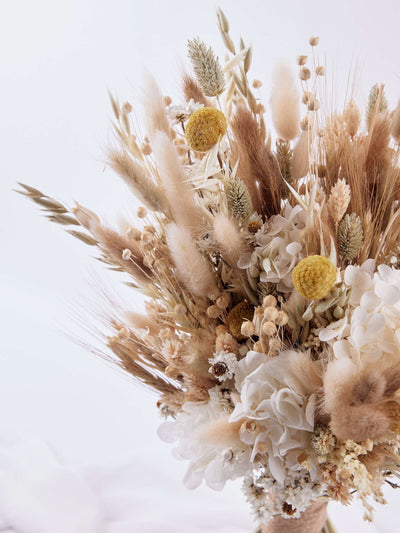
x=40, y=494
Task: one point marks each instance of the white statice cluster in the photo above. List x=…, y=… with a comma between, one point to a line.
x=370, y=328
x=278, y=249
x=268, y=499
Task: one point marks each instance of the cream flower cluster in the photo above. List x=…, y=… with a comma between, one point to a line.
x=274, y=398
x=278, y=249
x=370, y=328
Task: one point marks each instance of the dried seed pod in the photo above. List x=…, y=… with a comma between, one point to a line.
x=350, y=236
x=248, y=329
x=270, y=301
x=302, y=60
x=269, y=329
x=271, y=314
x=305, y=73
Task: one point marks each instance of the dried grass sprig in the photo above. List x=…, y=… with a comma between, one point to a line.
x=113, y=245
x=350, y=236
x=180, y=195
x=377, y=103
x=192, y=267
x=257, y=166
x=193, y=91
x=339, y=200
x=228, y=239
x=238, y=198
x=138, y=181
x=301, y=159
x=206, y=67
x=128, y=352
x=154, y=104
x=352, y=118
x=284, y=156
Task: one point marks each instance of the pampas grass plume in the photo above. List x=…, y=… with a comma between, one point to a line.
x=180, y=195
x=300, y=160
x=154, y=105
x=337, y=389
x=222, y=434
x=228, y=238
x=193, y=269
x=359, y=423
x=137, y=180
x=285, y=102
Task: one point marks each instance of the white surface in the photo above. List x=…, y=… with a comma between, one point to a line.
x=57, y=60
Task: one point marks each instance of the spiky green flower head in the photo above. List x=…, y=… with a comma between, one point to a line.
x=205, y=126
x=314, y=277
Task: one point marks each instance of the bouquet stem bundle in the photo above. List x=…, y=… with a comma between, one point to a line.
x=313, y=520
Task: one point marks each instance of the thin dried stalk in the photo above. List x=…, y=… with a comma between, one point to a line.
x=128, y=353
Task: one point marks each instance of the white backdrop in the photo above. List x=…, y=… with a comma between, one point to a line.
x=57, y=61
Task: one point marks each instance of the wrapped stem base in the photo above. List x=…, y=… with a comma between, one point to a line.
x=311, y=521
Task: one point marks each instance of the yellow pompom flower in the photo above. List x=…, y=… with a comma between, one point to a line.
x=314, y=277
x=205, y=126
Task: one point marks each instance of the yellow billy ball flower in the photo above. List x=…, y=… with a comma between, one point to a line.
x=314, y=277
x=204, y=128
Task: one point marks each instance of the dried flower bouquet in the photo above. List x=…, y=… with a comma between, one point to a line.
x=270, y=265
